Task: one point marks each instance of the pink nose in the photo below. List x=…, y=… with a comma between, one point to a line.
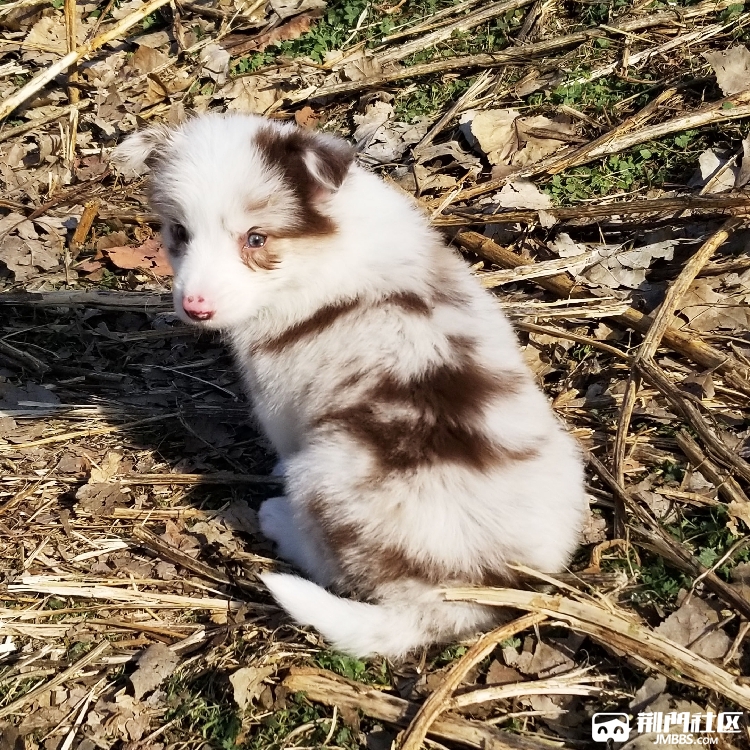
x=197, y=308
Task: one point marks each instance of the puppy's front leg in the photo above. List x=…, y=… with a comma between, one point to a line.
x=277, y=522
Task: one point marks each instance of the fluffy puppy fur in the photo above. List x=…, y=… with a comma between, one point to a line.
x=418, y=452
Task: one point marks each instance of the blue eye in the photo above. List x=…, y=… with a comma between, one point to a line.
x=255, y=239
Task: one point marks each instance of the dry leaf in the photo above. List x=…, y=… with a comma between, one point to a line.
x=215, y=61
x=306, y=117
x=707, y=310
x=100, y=499
x=523, y=194
x=155, y=664
x=739, y=511
x=250, y=94
x=595, y=529
x=651, y=689
x=288, y=31
x=732, y=68
x=382, y=139
x=149, y=256
x=743, y=176
x=287, y=8
x=23, y=256
x=499, y=674
x=691, y=626
x=627, y=268
x=13, y=396
x=711, y=161
x=505, y=137
x=147, y=59
x=360, y=66
x=106, y=469
x=216, y=533
x=248, y=684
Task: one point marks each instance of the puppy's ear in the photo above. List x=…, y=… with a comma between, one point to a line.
x=310, y=162
x=328, y=160
x=135, y=155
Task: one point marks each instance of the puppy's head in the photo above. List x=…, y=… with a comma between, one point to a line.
x=242, y=200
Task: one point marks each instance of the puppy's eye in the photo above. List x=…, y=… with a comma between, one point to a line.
x=255, y=239
x=179, y=234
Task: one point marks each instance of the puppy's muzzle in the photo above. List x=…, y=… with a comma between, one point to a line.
x=197, y=307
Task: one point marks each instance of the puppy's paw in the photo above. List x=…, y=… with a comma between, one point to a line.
x=280, y=469
x=275, y=519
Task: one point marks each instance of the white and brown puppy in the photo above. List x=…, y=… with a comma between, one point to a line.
x=417, y=450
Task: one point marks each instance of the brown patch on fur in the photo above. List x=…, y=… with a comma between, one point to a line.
x=338, y=536
x=409, y=302
x=364, y=565
x=500, y=579
x=383, y=565
x=259, y=258
x=326, y=316
x=437, y=416
x=392, y=564
x=286, y=151
x=321, y=319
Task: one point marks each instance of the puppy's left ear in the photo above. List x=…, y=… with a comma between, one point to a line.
x=328, y=160
x=311, y=162
x=135, y=155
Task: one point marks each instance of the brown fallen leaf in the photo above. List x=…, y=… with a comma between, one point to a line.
x=738, y=510
x=107, y=468
x=706, y=309
x=23, y=256
x=691, y=625
x=146, y=60
x=286, y=8
x=88, y=266
x=732, y=68
x=250, y=94
x=248, y=684
x=99, y=498
x=499, y=674
x=155, y=664
x=306, y=117
x=510, y=141
x=238, y=45
x=90, y=167
x=149, y=256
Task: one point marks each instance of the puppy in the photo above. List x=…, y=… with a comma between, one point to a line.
x=418, y=452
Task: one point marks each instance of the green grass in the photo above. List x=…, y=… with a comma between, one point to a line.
x=373, y=673
x=273, y=729
x=337, y=26
x=652, y=165
x=427, y=98
x=203, y=706
x=705, y=535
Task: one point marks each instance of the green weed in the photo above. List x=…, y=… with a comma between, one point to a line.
x=273, y=730
x=353, y=669
x=427, y=98
x=203, y=706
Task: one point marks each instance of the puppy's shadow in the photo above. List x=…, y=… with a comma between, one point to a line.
x=175, y=397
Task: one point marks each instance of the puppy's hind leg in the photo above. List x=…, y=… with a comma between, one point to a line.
x=278, y=523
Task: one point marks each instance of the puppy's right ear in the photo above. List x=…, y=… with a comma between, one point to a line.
x=136, y=154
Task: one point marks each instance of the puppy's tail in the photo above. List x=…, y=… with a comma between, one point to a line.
x=361, y=629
